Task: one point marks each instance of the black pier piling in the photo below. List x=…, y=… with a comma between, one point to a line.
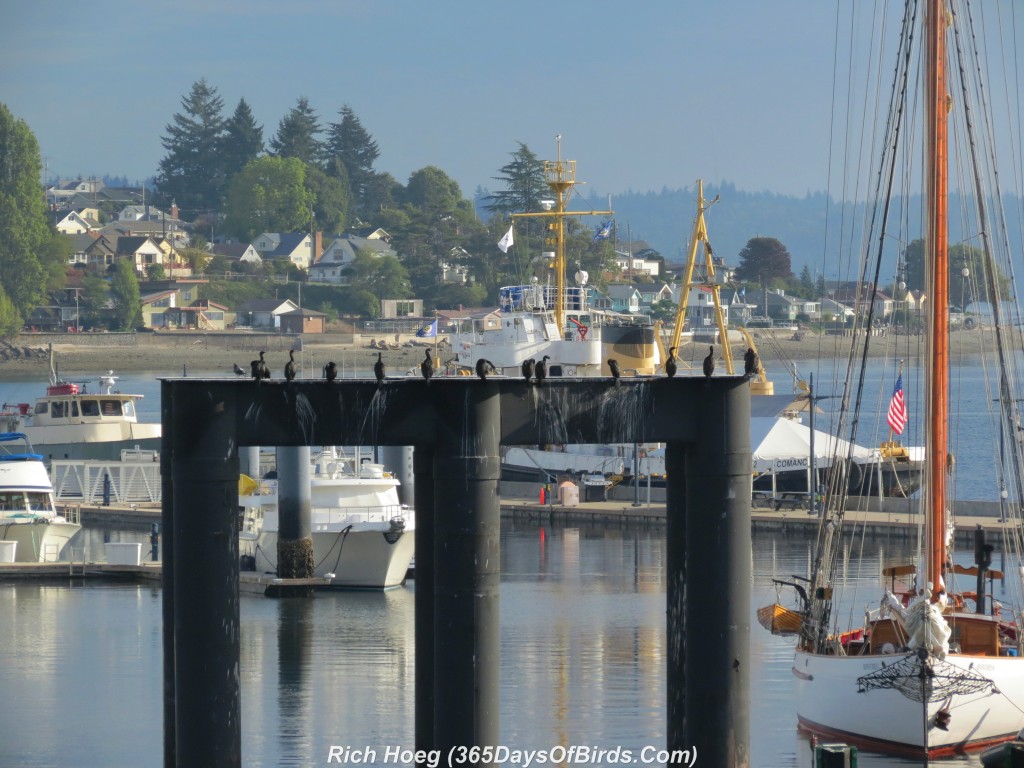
x=457, y=426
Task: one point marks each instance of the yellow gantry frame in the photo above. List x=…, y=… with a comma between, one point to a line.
x=700, y=235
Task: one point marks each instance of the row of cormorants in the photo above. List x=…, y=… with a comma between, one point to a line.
x=533, y=370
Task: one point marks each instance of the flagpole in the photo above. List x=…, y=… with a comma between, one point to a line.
x=437, y=363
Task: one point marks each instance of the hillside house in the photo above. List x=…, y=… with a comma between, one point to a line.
x=339, y=254
x=295, y=247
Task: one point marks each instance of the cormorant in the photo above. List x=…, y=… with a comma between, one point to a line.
x=709, y=363
x=613, y=365
x=540, y=370
x=670, y=365
x=239, y=371
x=483, y=367
x=330, y=371
x=263, y=368
x=289, y=367
x=528, y=369
x=749, y=362
x=427, y=367
x=378, y=369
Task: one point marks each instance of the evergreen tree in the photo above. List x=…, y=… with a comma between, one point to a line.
x=24, y=233
x=124, y=290
x=243, y=141
x=330, y=200
x=807, y=282
x=192, y=172
x=763, y=259
x=297, y=134
x=10, y=318
x=349, y=142
x=525, y=185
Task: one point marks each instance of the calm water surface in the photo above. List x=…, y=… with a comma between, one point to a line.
x=582, y=659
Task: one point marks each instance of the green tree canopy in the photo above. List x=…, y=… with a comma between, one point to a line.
x=124, y=290
x=24, y=233
x=330, y=200
x=350, y=143
x=243, y=140
x=763, y=259
x=298, y=134
x=10, y=318
x=525, y=185
x=383, y=276
x=192, y=172
x=974, y=288
x=268, y=195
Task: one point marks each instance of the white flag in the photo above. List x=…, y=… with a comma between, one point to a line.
x=506, y=242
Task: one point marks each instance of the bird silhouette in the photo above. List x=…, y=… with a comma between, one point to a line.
x=484, y=367
x=613, y=366
x=254, y=367
x=709, y=363
x=378, y=369
x=330, y=371
x=749, y=362
x=528, y=369
x=670, y=365
x=264, y=368
x=289, y=367
x=540, y=370
x=239, y=371
x=427, y=367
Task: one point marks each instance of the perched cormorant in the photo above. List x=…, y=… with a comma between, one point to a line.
x=378, y=369
x=749, y=362
x=264, y=368
x=613, y=365
x=670, y=365
x=709, y=363
x=483, y=367
x=330, y=371
x=528, y=369
x=427, y=367
x=540, y=370
x=239, y=371
x=289, y=367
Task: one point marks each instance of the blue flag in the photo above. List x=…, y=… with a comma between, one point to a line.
x=428, y=331
x=605, y=230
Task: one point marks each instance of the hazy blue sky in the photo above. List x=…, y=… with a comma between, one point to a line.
x=646, y=94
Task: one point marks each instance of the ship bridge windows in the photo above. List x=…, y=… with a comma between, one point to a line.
x=59, y=409
x=110, y=407
x=42, y=408
x=39, y=501
x=90, y=408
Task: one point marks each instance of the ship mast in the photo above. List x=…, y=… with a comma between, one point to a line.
x=561, y=178
x=936, y=255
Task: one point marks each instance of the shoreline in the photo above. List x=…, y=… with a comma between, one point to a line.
x=169, y=353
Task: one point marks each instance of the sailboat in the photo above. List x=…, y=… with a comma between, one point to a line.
x=935, y=670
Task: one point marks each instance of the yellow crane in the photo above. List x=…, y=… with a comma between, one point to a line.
x=759, y=385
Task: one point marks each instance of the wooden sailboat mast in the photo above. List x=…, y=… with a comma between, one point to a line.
x=936, y=249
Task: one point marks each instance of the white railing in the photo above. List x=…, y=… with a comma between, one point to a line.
x=345, y=515
x=130, y=481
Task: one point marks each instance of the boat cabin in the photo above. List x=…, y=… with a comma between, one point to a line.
x=68, y=404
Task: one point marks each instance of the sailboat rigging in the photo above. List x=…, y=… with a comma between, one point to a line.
x=927, y=674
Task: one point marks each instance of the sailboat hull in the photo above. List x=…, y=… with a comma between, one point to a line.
x=831, y=704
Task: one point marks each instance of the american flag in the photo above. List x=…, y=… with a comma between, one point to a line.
x=898, y=408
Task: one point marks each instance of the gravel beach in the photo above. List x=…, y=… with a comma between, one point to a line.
x=171, y=353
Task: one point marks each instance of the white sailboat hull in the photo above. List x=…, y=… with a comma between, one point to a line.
x=830, y=704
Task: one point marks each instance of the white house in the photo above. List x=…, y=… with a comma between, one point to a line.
x=71, y=223
x=296, y=247
x=339, y=254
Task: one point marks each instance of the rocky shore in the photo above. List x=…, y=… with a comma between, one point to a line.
x=170, y=353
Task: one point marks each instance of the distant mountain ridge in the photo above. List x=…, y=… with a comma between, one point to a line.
x=664, y=220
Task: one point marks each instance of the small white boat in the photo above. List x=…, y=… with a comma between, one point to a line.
x=363, y=536
x=31, y=531
x=72, y=422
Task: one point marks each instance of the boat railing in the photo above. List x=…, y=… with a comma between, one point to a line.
x=371, y=514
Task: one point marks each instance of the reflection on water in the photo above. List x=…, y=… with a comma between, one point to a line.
x=583, y=658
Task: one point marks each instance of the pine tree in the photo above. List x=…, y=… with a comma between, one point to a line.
x=192, y=173
x=349, y=142
x=807, y=282
x=297, y=135
x=243, y=140
x=124, y=290
x=524, y=182
x=24, y=233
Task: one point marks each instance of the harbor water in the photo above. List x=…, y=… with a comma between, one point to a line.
x=583, y=658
